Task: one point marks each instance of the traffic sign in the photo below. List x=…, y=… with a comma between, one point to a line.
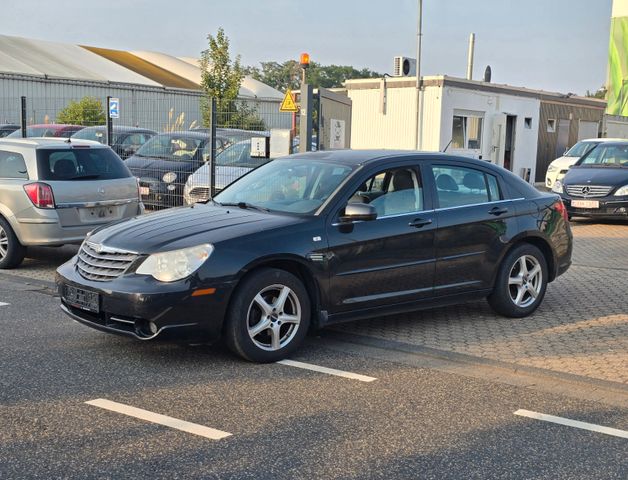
x=114, y=108
x=288, y=104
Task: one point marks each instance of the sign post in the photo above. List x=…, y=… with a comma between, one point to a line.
x=113, y=111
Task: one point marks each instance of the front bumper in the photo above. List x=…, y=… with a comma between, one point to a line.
x=160, y=194
x=129, y=304
x=608, y=207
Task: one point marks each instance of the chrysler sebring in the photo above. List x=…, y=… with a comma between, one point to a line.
x=319, y=238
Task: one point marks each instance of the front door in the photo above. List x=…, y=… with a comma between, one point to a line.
x=389, y=260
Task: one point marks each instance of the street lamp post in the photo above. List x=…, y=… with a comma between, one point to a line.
x=419, y=103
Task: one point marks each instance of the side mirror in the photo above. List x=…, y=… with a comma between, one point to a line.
x=355, y=212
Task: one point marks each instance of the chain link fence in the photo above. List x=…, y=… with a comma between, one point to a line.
x=179, y=144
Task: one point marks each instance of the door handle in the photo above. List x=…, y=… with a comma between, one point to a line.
x=498, y=210
x=420, y=222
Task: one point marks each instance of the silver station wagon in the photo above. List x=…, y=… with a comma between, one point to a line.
x=54, y=191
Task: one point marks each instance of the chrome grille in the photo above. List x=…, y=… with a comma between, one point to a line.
x=588, y=191
x=101, y=263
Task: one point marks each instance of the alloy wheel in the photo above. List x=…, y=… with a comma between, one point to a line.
x=4, y=243
x=525, y=281
x=273, y=317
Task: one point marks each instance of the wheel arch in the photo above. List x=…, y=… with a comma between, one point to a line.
x=542, y=244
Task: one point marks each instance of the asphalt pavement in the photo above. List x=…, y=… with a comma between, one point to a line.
x=415, y=420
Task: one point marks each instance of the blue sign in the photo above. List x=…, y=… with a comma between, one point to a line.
x=114, y=108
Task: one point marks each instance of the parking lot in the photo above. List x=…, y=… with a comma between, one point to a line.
x=581, y=328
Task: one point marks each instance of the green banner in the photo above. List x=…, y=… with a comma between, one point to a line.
x=618, y=68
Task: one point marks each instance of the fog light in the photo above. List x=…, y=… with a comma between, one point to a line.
x=152, y=327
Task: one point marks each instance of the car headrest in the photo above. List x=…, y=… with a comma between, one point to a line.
x=402, y=180
x=446, y=182
x=473, y=181
x=64, y=168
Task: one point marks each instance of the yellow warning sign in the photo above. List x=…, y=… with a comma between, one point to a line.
x=288, y=104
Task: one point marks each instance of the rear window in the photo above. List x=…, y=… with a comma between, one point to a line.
x=80, y=164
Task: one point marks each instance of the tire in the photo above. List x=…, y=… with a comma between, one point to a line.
x=12, y=252
x=518, y=293
x=260, y=326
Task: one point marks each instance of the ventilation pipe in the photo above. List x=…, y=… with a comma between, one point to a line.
x=470, y=59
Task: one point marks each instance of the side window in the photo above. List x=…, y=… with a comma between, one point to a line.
x=392, y=192
x=459, y=186
x=12, y=165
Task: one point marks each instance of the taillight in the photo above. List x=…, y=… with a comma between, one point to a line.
x=559, y=206
x=40, y=194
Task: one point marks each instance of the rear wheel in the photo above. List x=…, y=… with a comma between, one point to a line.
x=269, y=316
x=521, y=282
x=12, y=252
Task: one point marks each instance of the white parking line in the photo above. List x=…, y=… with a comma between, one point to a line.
x=573, y=423
x=159, y=419
x=2, y=304
x=330, y=371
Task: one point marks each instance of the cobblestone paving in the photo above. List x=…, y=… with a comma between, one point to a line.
x=581, y=327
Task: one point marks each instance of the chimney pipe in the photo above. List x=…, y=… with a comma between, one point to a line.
x=470, y=59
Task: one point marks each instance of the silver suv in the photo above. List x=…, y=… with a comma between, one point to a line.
x=54, y=192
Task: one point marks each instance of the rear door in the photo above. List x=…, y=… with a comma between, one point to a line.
x=475, y=222
x=91, y=185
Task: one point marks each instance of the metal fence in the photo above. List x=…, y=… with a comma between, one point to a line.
x=164, y=136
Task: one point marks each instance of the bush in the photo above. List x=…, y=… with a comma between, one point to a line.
x=87, y=111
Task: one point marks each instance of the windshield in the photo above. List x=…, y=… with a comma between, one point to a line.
x=287, y=185
x=239, y=155
x=173, y=147
x=95, y=134
x=606, y=156
x=580, y=149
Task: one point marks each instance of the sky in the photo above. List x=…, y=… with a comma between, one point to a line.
x=554, y=45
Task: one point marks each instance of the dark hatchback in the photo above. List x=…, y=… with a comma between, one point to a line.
x=320, y=238
x=164, y=163
x=597, y=185
x=126, y=140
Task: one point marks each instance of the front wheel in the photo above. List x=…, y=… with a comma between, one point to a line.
x=269, y=316
x=521, y=282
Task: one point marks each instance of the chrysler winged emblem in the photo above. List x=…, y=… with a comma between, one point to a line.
x=101, y=190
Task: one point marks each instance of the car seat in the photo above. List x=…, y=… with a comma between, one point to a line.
x=403, y=197
x=473, y=181
x=64, y=168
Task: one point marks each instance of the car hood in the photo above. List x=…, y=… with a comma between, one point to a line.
x=616, y=176
x=186, y=227
x=562, y=162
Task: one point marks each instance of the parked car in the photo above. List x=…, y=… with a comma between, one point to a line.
x=164, y=163
x=7, y=129
x=559, y=167
x=597, y=185
x=126, y=140
x=321, y=238
x=233, y=162
x=47, y=130
x=53, y=192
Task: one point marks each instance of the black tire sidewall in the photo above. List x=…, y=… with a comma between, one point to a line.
x=236, y=328
x=500, y=299
x=15, y=250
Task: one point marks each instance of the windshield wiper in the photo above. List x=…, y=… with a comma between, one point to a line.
x=243, y=205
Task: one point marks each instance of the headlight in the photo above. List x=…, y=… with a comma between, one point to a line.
x=557, y=187
x=175, y=265
x=169, y=177
x=551, y=168
x=622, y=191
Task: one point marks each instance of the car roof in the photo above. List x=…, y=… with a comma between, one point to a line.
x=120, y=128
x=363, y=157
x=42, y=142
x=604, y=140
x=611, y=143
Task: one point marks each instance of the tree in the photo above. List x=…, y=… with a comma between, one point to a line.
x=87, y=111
x=221, y=78
x=288, y=74
x=600, y=93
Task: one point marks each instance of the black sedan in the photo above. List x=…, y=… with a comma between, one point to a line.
x=597, y=185
x=320, y=238
x=7, y=129
x=164, y=163
x=126, y=140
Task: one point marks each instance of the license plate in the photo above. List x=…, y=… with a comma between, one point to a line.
x=96, y=213
x=83, y=299
x=144, y=191
x=585, y=203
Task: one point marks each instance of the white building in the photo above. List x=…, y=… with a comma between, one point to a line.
x=497, y=123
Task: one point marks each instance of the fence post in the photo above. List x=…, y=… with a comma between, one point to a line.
x=23, y=117
x=109, y=124
x=214, y=120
